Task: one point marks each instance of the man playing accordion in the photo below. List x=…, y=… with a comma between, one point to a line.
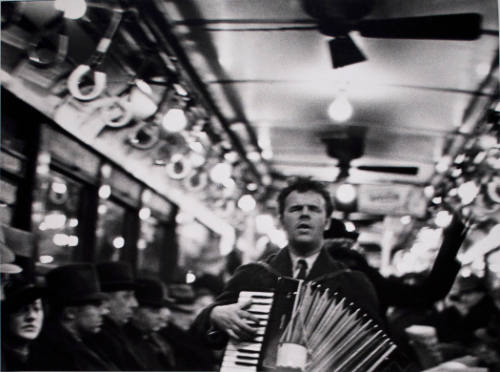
x=305, y=207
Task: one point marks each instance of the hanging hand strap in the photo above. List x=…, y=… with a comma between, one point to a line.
x=91, y=68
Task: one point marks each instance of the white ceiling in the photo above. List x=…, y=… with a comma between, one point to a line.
x=409, y=96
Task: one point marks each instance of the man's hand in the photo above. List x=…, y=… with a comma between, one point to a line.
x=235, y=320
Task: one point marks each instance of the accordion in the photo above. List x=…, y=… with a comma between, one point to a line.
x=305, y=327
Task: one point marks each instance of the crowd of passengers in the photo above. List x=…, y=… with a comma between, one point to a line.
x=99, y=317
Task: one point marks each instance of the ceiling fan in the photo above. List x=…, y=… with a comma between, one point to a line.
x=348, y=144
x=336, y=18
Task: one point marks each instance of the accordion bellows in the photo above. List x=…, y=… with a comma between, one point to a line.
x=336, y=334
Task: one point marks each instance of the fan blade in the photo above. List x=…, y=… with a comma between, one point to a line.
x=466, y=26
x=344, y=51
x=411, y=171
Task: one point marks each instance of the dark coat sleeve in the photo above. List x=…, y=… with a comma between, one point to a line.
x=435, y=286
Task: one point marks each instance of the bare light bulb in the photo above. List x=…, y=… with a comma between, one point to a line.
x=340, y=109
x=73, y=9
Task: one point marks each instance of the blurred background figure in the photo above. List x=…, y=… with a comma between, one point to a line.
x=117, y=281
x=22, y=317
x=76, y=309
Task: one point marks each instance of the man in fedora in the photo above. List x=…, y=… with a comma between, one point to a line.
x=118, y=282
x=76, y=309
x=148, y=319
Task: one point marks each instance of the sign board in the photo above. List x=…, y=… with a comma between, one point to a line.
x=393, y=200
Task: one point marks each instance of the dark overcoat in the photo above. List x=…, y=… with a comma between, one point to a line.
x=354, y=285
x=56, y=349
x=113, y=344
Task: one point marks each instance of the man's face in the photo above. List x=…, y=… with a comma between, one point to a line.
x=121, y=305
x=88, y=318
x=304, y=220
x=148, y=319
x=26, y=322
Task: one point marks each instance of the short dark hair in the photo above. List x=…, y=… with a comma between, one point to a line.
x=303, y=184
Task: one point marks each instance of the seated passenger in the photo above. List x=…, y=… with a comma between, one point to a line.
x=154, y=351
x=22, y=316
x=76, y=309
x=111, y=342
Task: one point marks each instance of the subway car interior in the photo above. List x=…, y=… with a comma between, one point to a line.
x=159, y=134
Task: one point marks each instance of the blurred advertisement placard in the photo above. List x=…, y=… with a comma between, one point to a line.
x=392, y=200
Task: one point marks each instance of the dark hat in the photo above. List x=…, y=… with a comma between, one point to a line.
x=338, y=229
x=22, y=289
x=74, y=284
x=115, y=276
x=151, y=292
x=19, y=293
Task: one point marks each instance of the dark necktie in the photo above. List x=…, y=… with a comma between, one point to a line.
x=302, y=265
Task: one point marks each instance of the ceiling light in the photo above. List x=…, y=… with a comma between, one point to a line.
x=443, y=219
x=104, y=191
x=468, y=192
x=443, y=164
x=118, y=242
x=144, y=213
x=73, y=9
x=174, y=120
x=340, y=109
x=247, y=203
x=220, y=172
x=346, y=194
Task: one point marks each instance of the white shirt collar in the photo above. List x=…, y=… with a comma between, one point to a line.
x=309, y=259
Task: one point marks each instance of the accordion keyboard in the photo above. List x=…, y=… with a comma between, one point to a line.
x=245, y=356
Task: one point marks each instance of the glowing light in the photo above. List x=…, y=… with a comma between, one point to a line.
x=59, y=187
x=437, y=200
x=45, y=259
x=174, y=120
x=443, y=219
x=144, y=213
x=253, y=156
x=467, y=192
x=429, y=191
x=73, y=240
x=247, y=203
x=349, y=226
x=55, y=220
x=73, y=222
x=340, y=109
x=118, y=242
x=190, y=277
x=102, y=209
x=61, y=240
x=405, y=220
x=346, y=193
x=220, y=172
x=73, y=9
x=142, y=244
x=104, y=191
x=252, y=186
x=443, y=164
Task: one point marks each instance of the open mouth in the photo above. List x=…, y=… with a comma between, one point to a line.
x=303, y=226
